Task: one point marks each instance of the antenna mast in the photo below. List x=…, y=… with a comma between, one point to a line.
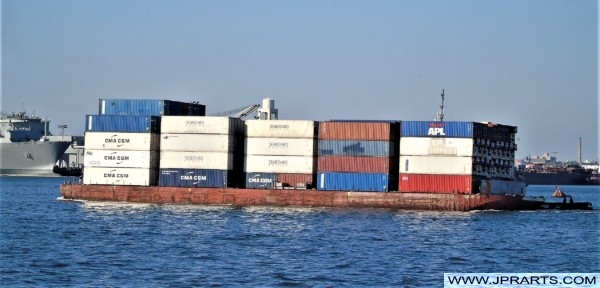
x=440, y=116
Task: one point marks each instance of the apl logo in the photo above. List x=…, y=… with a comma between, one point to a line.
x=436, y=129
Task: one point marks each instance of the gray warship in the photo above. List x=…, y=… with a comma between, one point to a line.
x=27, y=147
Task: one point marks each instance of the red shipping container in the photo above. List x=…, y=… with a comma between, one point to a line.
x=293, y=179
x=437, y=183
x=354, y=164
x=331, y=130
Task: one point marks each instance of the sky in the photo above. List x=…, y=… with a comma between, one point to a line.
x=532, y=64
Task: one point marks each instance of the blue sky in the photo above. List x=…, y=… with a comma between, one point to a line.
x=532, y=64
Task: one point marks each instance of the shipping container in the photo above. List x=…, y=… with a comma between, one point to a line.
x=281, y=146
x=430, y=146
x=334, y=181
x=205, y=178
x=354, y=164
x=356, y=148
x=122, y=123
x=297, y=180
x=438, y=183
x=120, y=176
x=436, y=165
x=359, y=130
x=281, y=128
x=122, y=141
x=260, y=180
x=437, y=129
x=196, y=160
x=502, y=187
x=280, y=164
x=202, y=125
x=197, y=142
x=149, y=107
x=121, y=158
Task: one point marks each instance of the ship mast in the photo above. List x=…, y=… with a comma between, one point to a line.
x=440, y=115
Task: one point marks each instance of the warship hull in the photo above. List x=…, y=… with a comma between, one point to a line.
x=31, y=158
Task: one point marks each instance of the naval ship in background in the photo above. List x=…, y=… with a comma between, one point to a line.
x=27, y=146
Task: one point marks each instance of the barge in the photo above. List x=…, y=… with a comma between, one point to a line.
x=310, y=198
x=166, y=152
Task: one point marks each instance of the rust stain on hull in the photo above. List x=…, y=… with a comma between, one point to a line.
x=296, y=198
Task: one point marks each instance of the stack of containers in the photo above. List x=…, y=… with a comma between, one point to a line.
x=280, y=152
x=450, y=157
x=121, y=150
x=358, y=156
x=201, y=152
x=122, y=142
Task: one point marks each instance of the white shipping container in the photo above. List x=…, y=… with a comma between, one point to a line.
x=121, y=141
x=280, y=146
x=196, y=160
x=121, y=158
x=281, y=128
x=120, y=176
x=201, y=125
x=280, y=164
x=196, y=142
x=436, y=165
x=424, y=146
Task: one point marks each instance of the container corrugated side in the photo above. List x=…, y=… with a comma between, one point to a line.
x=196, y=160
x=334, y=181
x=120, y=176
x=437, y=183
x=296, y=180
x=202, y=125
x=437, y=129
x=260, y=180
x=206, y=178
x=196, y=142
x=356, y=148
x=429, y=146
x=281, y=146
x=122, y=123
x=436, y=165
x=334, y=130
x=354, y=164
x=281, y=128
x=122, y=141
x=149, y=107
x=280, y=164
x=502, y=187
x=120, y=158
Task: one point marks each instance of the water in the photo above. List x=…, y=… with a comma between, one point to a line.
x=48, y=242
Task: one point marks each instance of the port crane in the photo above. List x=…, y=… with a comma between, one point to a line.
x=241, y=113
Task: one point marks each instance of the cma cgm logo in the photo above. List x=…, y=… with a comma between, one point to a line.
x=436, y=129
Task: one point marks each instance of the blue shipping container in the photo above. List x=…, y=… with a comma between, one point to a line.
x=334, y=181
x=122, y=123
x=149, y=107
x=437, y=129
x=356, y=148
x=260, y=180
x=202, y=178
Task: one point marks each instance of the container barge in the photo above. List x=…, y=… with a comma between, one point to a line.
x=180, y=156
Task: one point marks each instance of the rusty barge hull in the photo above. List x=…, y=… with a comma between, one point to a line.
x=293, y=198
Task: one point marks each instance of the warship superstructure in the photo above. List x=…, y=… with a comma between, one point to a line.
x=27, y=146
